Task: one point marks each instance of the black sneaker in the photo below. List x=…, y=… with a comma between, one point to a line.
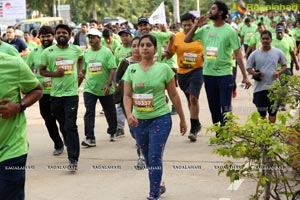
x=89, y=143
x=72, y=167
x=141, y=164
x=113, y=137
x=120, y=133
x=162, y=188
x=194, y=132
x=58, y=152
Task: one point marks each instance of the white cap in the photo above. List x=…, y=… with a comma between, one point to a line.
x=95, y=31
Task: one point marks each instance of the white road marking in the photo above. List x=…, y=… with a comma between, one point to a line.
x=235, y=185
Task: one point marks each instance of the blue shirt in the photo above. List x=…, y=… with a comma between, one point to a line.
x=18, y=44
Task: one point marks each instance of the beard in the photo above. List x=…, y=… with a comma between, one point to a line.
x=46, y=43
x=62, y=41
x=213, y=17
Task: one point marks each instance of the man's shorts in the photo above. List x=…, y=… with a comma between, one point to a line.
x=263, y=104
x=191, y=82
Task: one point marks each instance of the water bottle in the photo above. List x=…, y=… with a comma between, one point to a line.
x=242, y=85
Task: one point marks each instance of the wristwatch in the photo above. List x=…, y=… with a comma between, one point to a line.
x=22, y=106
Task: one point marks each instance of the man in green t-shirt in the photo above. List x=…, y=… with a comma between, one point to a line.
x=99, y=70
x=8, y=49
x=46, y=35
x=219, y=41
x=16, y=77
x=63, y=63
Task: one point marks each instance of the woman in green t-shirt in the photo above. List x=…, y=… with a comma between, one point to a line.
x=150, y=120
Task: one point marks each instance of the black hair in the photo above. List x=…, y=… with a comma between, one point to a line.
x=223, y=7
x=34, y=32
x=187, y=16
x=93, y=21
x=106, y=33
x=12, y=27
x=135, y=38
x=46, y=30
x=63, y=26
x=266, y=32
x=84, y=24
x=151, y=38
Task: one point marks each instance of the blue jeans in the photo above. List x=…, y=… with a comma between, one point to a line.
x=12, y=178
x=65, y=110
x=108, y=105
x=218, y=91
x=151, y=135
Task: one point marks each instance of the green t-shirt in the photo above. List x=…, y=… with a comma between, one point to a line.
x=255, y=40
x=148, y=89
x=34, y=62
x=218, y=44
x=286, y=45
x=162, y=38
x=15, y=77
x=97, y=65
x=121, y=53
x=53, y=58
x=8, y=49
x=247, y=32
x=113, y=45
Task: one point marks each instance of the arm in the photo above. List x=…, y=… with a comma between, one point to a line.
x=281, y=71
x=44, y=72
x=9, y=109
x=172, y=91
x=294, y=59
x=239, y=58
x=169, y=49
x=109, y=81
x=189, y=36
x=80, y=71
x=25, y=52
x=127, y=101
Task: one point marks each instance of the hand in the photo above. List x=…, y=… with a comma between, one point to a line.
x=60, y=72
x=132, y=121
x=201, y=21
x=106, y=89
x=276, y=75
x=183, y=127
x=81, y=75
x=8, y=108
x=247, y=83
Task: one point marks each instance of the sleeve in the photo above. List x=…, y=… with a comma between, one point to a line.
x=27, y=80
x=234, y=40
x=282, y=58
x=126, y=77
x=169, y=74
x=198, y=33
x=250, y=61
x=23, y=46
x=111, y=63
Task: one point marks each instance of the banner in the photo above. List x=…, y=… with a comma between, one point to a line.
x=159, y=15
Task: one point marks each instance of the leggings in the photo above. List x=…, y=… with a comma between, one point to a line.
x=151, y=135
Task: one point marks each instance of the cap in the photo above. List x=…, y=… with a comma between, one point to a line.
x=143, y=19
x=279, y=29
x=124, y=30
x=95, y=32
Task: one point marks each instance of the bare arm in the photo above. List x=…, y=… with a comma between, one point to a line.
x=200, y=22
x=44, y=72
x=170, y=44
x=80, y=71
x=239, y=58
x=127, y=101
x=25, y=52
x=9, y=109
x=109, y=81
x=173, y=94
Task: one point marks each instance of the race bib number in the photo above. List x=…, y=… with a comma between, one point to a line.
x=143, y=102
x=211, y=53
x=189, y=59
x=66, y=65
x=249, y=35
x=47, y=82
x=95, y=68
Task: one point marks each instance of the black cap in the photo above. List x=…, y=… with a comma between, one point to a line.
x=143, y=19
x=124, y=30
x=279, y=29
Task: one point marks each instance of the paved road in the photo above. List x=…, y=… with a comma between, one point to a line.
x=106, y=171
